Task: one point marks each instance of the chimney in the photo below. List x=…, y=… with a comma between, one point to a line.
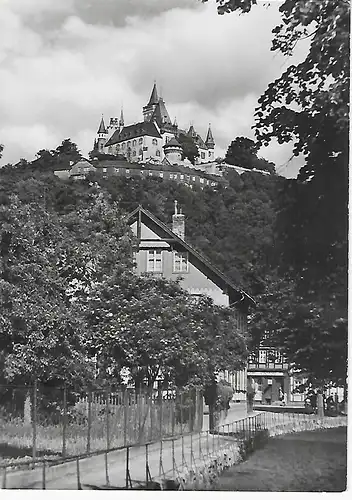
x=178, y=223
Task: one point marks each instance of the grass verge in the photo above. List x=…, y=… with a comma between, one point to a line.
x=310, y=461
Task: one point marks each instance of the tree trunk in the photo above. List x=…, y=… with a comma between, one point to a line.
x=27, y=410
x=320, y=405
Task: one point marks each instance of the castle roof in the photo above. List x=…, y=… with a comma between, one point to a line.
x=209, y=141
x=132, y=131
x=154, y=98
x=172, y=143
x=102, y=128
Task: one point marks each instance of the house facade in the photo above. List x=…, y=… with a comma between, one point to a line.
x=163, y=251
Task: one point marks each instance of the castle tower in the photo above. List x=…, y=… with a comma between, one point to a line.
x=113, y=125
x=122, y=119
x=173, y=151
x=210, y=144
x=102, y=136
x=149, y=109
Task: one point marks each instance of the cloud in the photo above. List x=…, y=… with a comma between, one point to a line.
x=96, y=57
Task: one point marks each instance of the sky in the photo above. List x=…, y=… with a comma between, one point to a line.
x=65, y=63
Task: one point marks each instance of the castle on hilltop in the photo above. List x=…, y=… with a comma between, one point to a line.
x=155, y=138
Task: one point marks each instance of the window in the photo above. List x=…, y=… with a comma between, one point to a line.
x=154, y=263
x=123, y=145
x=127, y=170
x=134, y=142
x=105, y=170
x=201, y=181
x=209, y=154
x=116, y=169
x=110, y=150
x=140, y=141
x=150, y=173
x=157, y=152
x=193, y=179
x=134, y=153
x=140, y=152
x=262, y=356
x=180, y=264
x=155, y=142
x=202, y=155
x=167, y=139
x=129, y=143
x=182, y=177
x=161, y=174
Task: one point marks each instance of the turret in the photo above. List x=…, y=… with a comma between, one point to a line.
x=210, y=144
x=149, y=109
x=122, y=119
x=173, y=151
x=113, y=125
x=102, y=136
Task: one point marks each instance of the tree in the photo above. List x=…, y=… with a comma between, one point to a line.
x=308, y=106
x=242, y=152
x=66, y=153
x=50, y=259
x=189, y=148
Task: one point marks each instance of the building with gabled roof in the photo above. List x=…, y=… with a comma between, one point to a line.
x=163, y=251
x=146, y=139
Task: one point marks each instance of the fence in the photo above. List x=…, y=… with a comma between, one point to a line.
x=42, y=421
x=191, y=461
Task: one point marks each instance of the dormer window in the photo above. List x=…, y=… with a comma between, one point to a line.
x=180, y=262
x=155, y=142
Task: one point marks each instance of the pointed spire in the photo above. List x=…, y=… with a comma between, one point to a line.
x=209, y=141
x=191, y=131
x=102, y=128
x=154, y=98
x=122, y=119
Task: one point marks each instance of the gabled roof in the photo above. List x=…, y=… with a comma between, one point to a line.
x=236, y=294
x=133, y=131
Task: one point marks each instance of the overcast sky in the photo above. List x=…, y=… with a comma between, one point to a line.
x=65, y=62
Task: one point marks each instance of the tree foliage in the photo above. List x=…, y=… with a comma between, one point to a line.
x=242, y=152
x=308, y=106
x=189, y=148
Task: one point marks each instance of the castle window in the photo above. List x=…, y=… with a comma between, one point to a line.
x=105, y=170
x=209, y=154
x=140, y=152
x=182, y=177
x=161, y=174
x=201, y=181
x=154, y=261
x=157, y=152
x=140, y=141
x=202, y=155
x=123, y=145
x=129, y=143
x=127, y=170
x=193, y=179
x=134, y=152
x=155, y=142
x=180, y=262
x=167, y=139
x=134, y=142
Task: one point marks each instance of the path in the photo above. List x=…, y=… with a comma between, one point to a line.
x=92, y=470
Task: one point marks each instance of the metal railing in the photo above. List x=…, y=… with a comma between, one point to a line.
x=41, y=421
